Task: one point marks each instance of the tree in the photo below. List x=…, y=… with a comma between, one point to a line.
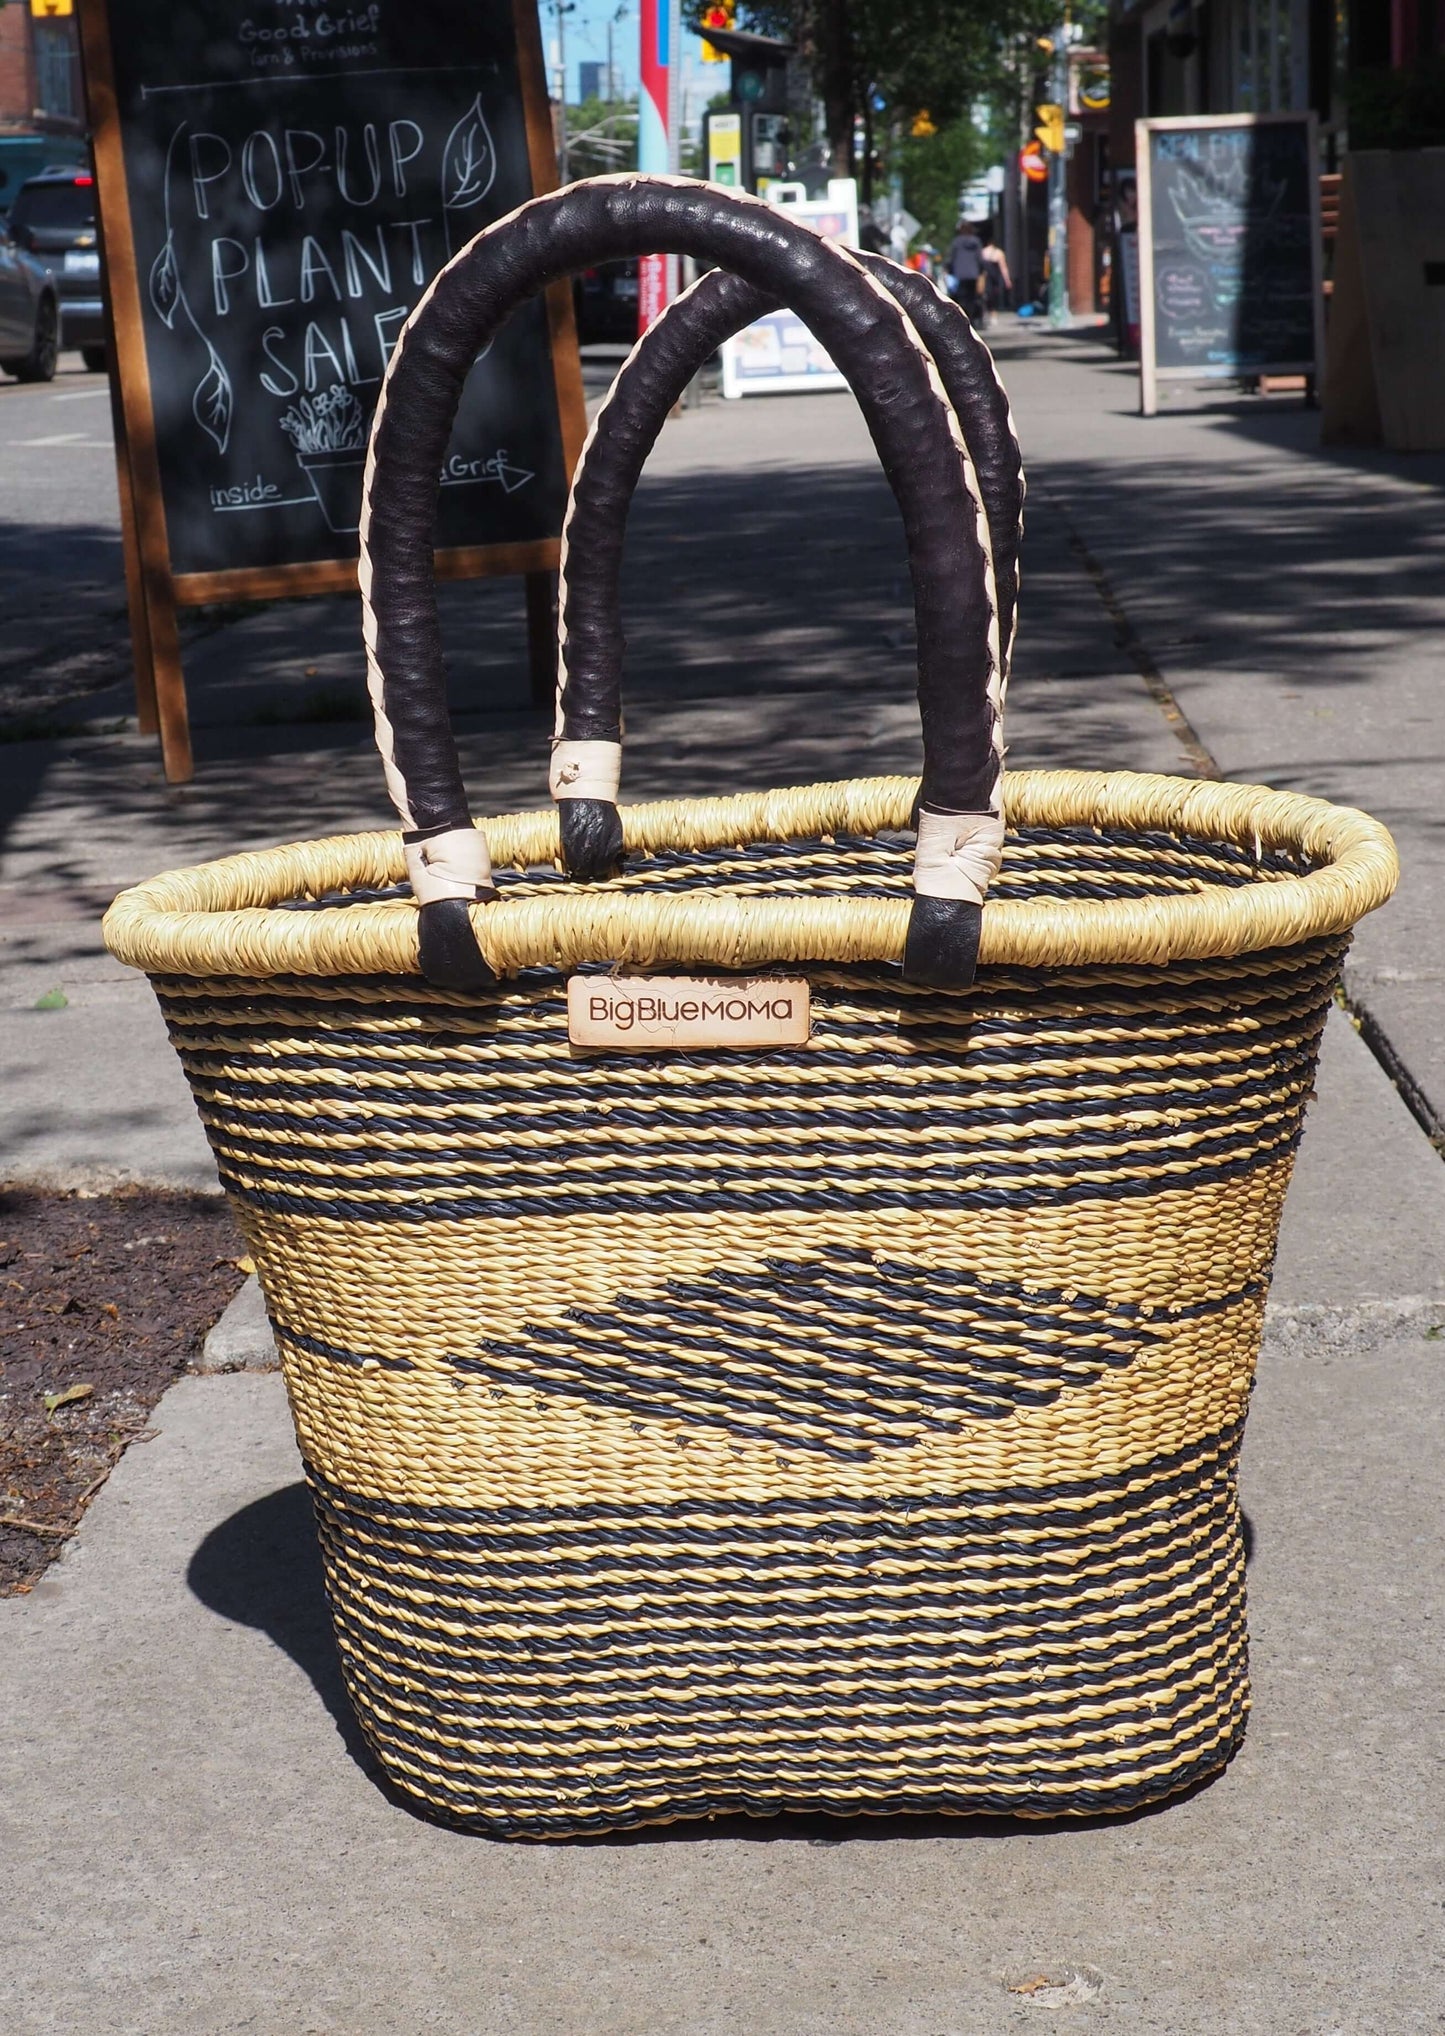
x=881, y=61
x=935, y=169
x=601, y=137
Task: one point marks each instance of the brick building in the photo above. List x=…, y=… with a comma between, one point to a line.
x=1372, y=70
x=40, y=89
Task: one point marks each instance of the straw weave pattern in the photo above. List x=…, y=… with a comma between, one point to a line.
x=848, y=1427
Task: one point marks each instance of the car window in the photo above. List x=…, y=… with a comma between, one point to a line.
x=54, y=205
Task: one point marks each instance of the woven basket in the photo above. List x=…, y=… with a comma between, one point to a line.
x=845, y=1427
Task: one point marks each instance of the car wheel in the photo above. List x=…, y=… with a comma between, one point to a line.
x=96, y=359
x=39, y=364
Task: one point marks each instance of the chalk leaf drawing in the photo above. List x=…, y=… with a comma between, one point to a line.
x=166, y=283
x=212, y=403
x=469, y=163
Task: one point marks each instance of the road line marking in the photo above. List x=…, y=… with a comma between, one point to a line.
x=77, y=439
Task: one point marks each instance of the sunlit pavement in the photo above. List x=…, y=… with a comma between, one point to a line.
x=192, y=1844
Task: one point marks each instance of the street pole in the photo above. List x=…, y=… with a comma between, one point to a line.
x=895, y=188
x=1058, y=194
x=659, y=34
x=563, y=10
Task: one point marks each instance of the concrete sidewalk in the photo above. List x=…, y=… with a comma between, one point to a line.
x=1293, y=601
x=192, y=1843
x=191, y=1846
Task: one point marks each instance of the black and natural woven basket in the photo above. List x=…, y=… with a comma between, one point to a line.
x=847, y=1426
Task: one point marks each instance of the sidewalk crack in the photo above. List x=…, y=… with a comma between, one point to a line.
x=1407, y=1088
x=1200, y=757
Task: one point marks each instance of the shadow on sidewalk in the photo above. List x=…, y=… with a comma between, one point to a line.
x=780, y=584
x=262, y=1568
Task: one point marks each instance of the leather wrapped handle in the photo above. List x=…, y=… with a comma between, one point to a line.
x=608, y=219
x=623, y=433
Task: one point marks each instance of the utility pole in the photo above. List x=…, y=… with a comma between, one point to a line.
x=1058, y=193
x=618, y=15
x=563, y=9
x=895, y=189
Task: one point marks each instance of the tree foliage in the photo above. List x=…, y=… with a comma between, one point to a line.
x=875, y=62
x=601, y=137
x=935, y=169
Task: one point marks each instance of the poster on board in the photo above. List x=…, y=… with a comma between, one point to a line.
x=777, y=355
x=1229, y=248
x=278, y=185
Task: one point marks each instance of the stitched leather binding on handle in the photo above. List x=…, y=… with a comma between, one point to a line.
x=602, y=220
x=587, y=752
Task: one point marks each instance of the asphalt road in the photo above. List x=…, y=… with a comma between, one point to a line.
x=62, y=583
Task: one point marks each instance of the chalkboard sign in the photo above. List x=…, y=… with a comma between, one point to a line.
x=1229, y=248
x=279, y=181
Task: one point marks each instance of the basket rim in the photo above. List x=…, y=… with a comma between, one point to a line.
x=224, y=918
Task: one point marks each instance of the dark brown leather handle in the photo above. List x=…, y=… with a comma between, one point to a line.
x=603, y=220
x=623, y=434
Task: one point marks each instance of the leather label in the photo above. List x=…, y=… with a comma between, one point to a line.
x=687, y=1013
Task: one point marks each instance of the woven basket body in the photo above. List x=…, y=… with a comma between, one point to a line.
x=844, y=1427
x=851, y=1427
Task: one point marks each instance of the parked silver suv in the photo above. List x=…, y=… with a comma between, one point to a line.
x=29, y=313
x=53, y=218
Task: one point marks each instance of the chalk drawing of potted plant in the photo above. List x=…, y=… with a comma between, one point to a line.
x=328, y=431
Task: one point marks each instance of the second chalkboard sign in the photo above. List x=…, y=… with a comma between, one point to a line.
x=1229, y=245
x=279, y=183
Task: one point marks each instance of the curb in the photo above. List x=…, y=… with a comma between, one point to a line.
x=241, y=1340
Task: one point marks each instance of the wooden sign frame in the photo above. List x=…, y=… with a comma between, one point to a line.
x=154, y=591
x=1150, y=373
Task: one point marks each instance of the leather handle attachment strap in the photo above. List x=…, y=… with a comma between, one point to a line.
x=609, y=219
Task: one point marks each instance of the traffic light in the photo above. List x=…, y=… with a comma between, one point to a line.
x=720, y=14
x=924, y=124
x=1049, y=133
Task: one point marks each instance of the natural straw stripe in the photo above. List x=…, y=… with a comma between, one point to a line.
x=214, y=919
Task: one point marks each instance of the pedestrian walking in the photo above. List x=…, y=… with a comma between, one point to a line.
x=965, y=267
x=997, y=282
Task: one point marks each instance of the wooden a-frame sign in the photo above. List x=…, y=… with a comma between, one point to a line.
x=276, y=187
x=1229, y=248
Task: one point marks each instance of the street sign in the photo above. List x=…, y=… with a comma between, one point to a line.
x=1034, y=164
x=725, y=148
x=890, y=220
x=275, y=198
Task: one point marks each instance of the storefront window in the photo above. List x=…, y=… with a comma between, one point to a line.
x=55, y=69
x=1271, y=45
